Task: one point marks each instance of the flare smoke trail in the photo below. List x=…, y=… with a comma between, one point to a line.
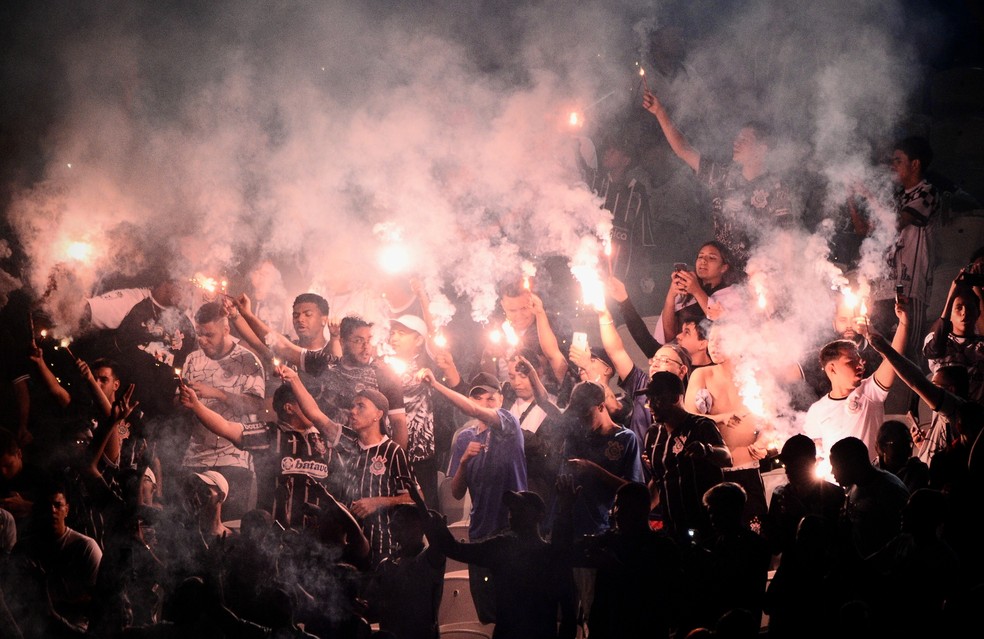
x=212, y=138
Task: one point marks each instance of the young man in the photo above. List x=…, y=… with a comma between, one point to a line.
x=487, y=460
x=855, y=405
x=409, y=341
x=298, y=471
x=229, y=380
x=910, y=260
x=380, y=474
x=338, y=380
x=601, y=455
x=686, y=453
x=746, y=196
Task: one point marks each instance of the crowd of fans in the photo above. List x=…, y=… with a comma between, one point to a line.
x=189, y=472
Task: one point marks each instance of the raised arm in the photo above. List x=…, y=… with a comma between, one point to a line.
x=107, y=430
x=464, y=404
x=62, y=398
x=885, y=373
x=612, y=342
x=209, y=418
x=105, y=406
x=633, y=321
x=909, y=371
x=330, y=430
x=243, y=328
x=677, y=141
x=548, y=340
x=282, y=346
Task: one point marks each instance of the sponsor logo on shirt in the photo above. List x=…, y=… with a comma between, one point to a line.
x=296, y=466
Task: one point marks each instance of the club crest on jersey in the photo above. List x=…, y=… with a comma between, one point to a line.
x=377, y=466
x=614, y=451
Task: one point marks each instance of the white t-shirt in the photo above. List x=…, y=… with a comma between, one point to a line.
x=239, y=373
x=533, y=419
x=109, y=309
x=860, y=414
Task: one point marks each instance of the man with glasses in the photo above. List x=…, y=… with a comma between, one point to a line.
x=633, y=379
x=338, y=381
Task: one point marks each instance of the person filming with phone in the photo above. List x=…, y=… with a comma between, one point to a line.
x=707, y=290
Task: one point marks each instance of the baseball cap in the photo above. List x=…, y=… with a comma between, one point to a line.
x=412, y=322
x=215, y=478
x=378, y=399
x=485, y=382
x=601, y=354
x=798, y=447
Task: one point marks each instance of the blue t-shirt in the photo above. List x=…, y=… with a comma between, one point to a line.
x=641, y=419
x=616, y=452
x=501, y=466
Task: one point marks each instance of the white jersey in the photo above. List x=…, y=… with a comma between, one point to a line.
x=109, y=309
x=860, y=414
x=239, y=373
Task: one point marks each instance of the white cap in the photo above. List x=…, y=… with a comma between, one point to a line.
x=215, y=478
x=412, y=322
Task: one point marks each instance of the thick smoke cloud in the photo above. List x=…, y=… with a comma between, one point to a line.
x=211, y=137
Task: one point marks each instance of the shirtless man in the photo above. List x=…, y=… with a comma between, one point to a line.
x=713, y=392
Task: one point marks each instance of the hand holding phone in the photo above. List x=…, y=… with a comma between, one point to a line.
x=580, y=341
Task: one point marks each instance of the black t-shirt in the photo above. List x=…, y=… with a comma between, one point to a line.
x=683, y=480
x=295, y=471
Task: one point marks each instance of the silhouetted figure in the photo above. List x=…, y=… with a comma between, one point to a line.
x=739, y=558
x=638, y=572
x=800, y=601
x=406, y=590
x=875, y=497
x=915, y=561
x=806, y=494
x=531, y=576
x=894, y=447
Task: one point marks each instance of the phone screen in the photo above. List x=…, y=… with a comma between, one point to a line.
x=680, y=266
x=580, y=341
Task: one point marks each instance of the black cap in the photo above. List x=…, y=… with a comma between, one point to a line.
x=798, y=447
x=601, y=354
x=485, y=382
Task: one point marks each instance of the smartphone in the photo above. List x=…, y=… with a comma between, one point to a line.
x=898, y=293
x=580, y=341
x=679, y=266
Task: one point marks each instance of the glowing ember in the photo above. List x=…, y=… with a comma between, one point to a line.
x=398, y=366
x=177, y=372
x=850, y=299
x=79, y=251
x=394, y=258
x=65, y=342
x=574, y=119
x=44, y=333
x=592, y=288
x=510, y=333
x=762, y=302
x=495, y=336
x=207, y=284
x=276, y=362
x=440, y=340
x=824, y=470
x=526, y=282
